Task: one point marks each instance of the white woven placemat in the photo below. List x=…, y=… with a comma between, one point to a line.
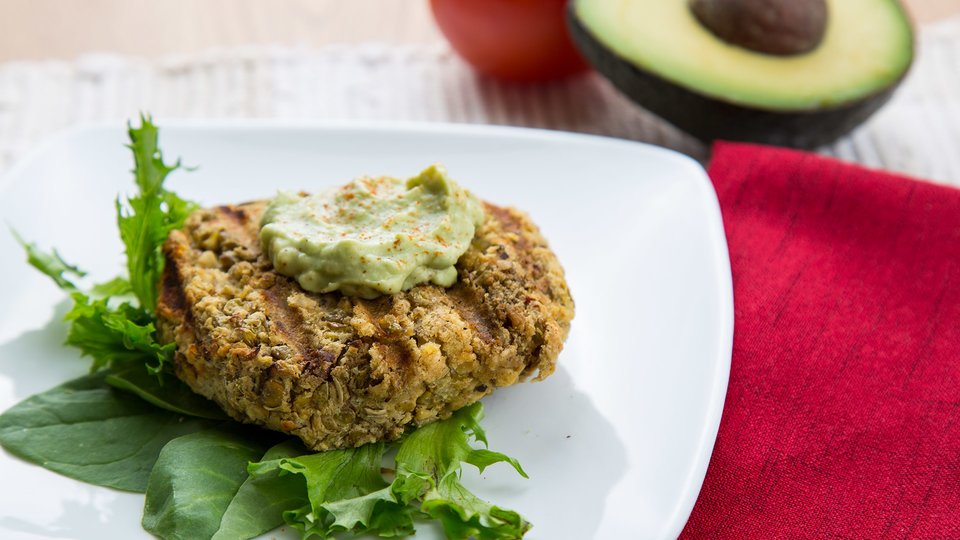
x=917, y=133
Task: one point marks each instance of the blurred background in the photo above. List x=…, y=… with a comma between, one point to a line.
x=45, y=29
x=68, y=63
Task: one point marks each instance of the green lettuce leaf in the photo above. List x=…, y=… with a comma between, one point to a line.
x=429, y=464
x=346, y=492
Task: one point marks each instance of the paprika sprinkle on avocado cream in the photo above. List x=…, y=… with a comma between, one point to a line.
x=372, y=236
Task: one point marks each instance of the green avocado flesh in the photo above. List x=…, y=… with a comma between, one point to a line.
x=867, y=47
x=372, y=236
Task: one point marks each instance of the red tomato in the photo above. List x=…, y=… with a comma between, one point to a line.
x=520, y=40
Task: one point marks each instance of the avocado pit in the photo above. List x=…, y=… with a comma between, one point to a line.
x=778, y=27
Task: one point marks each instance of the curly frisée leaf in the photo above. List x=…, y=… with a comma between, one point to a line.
x=147, y=218
x=114, y=335
x=106, y=332
x=117, y=286
x=50, y=264
x=104, y=323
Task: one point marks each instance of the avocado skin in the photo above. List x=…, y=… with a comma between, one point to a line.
x=708, y=118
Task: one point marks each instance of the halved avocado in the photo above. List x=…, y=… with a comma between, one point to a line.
x=664, y=56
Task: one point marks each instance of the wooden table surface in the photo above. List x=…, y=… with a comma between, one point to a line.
x=42, y=29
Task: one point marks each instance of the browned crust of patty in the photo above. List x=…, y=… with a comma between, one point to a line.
x=339, y=371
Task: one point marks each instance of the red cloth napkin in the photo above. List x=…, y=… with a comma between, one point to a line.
x=842, y=417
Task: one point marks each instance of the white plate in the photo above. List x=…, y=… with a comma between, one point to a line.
x=616, y=442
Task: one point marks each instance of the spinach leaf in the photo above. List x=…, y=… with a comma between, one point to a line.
x=195, y=479
x=260, y=502
x=167, y=392
x=88, y=431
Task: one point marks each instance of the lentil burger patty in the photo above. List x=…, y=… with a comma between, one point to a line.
x=338, y=371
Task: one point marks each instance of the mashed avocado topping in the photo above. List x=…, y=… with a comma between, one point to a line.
x=372, y=236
